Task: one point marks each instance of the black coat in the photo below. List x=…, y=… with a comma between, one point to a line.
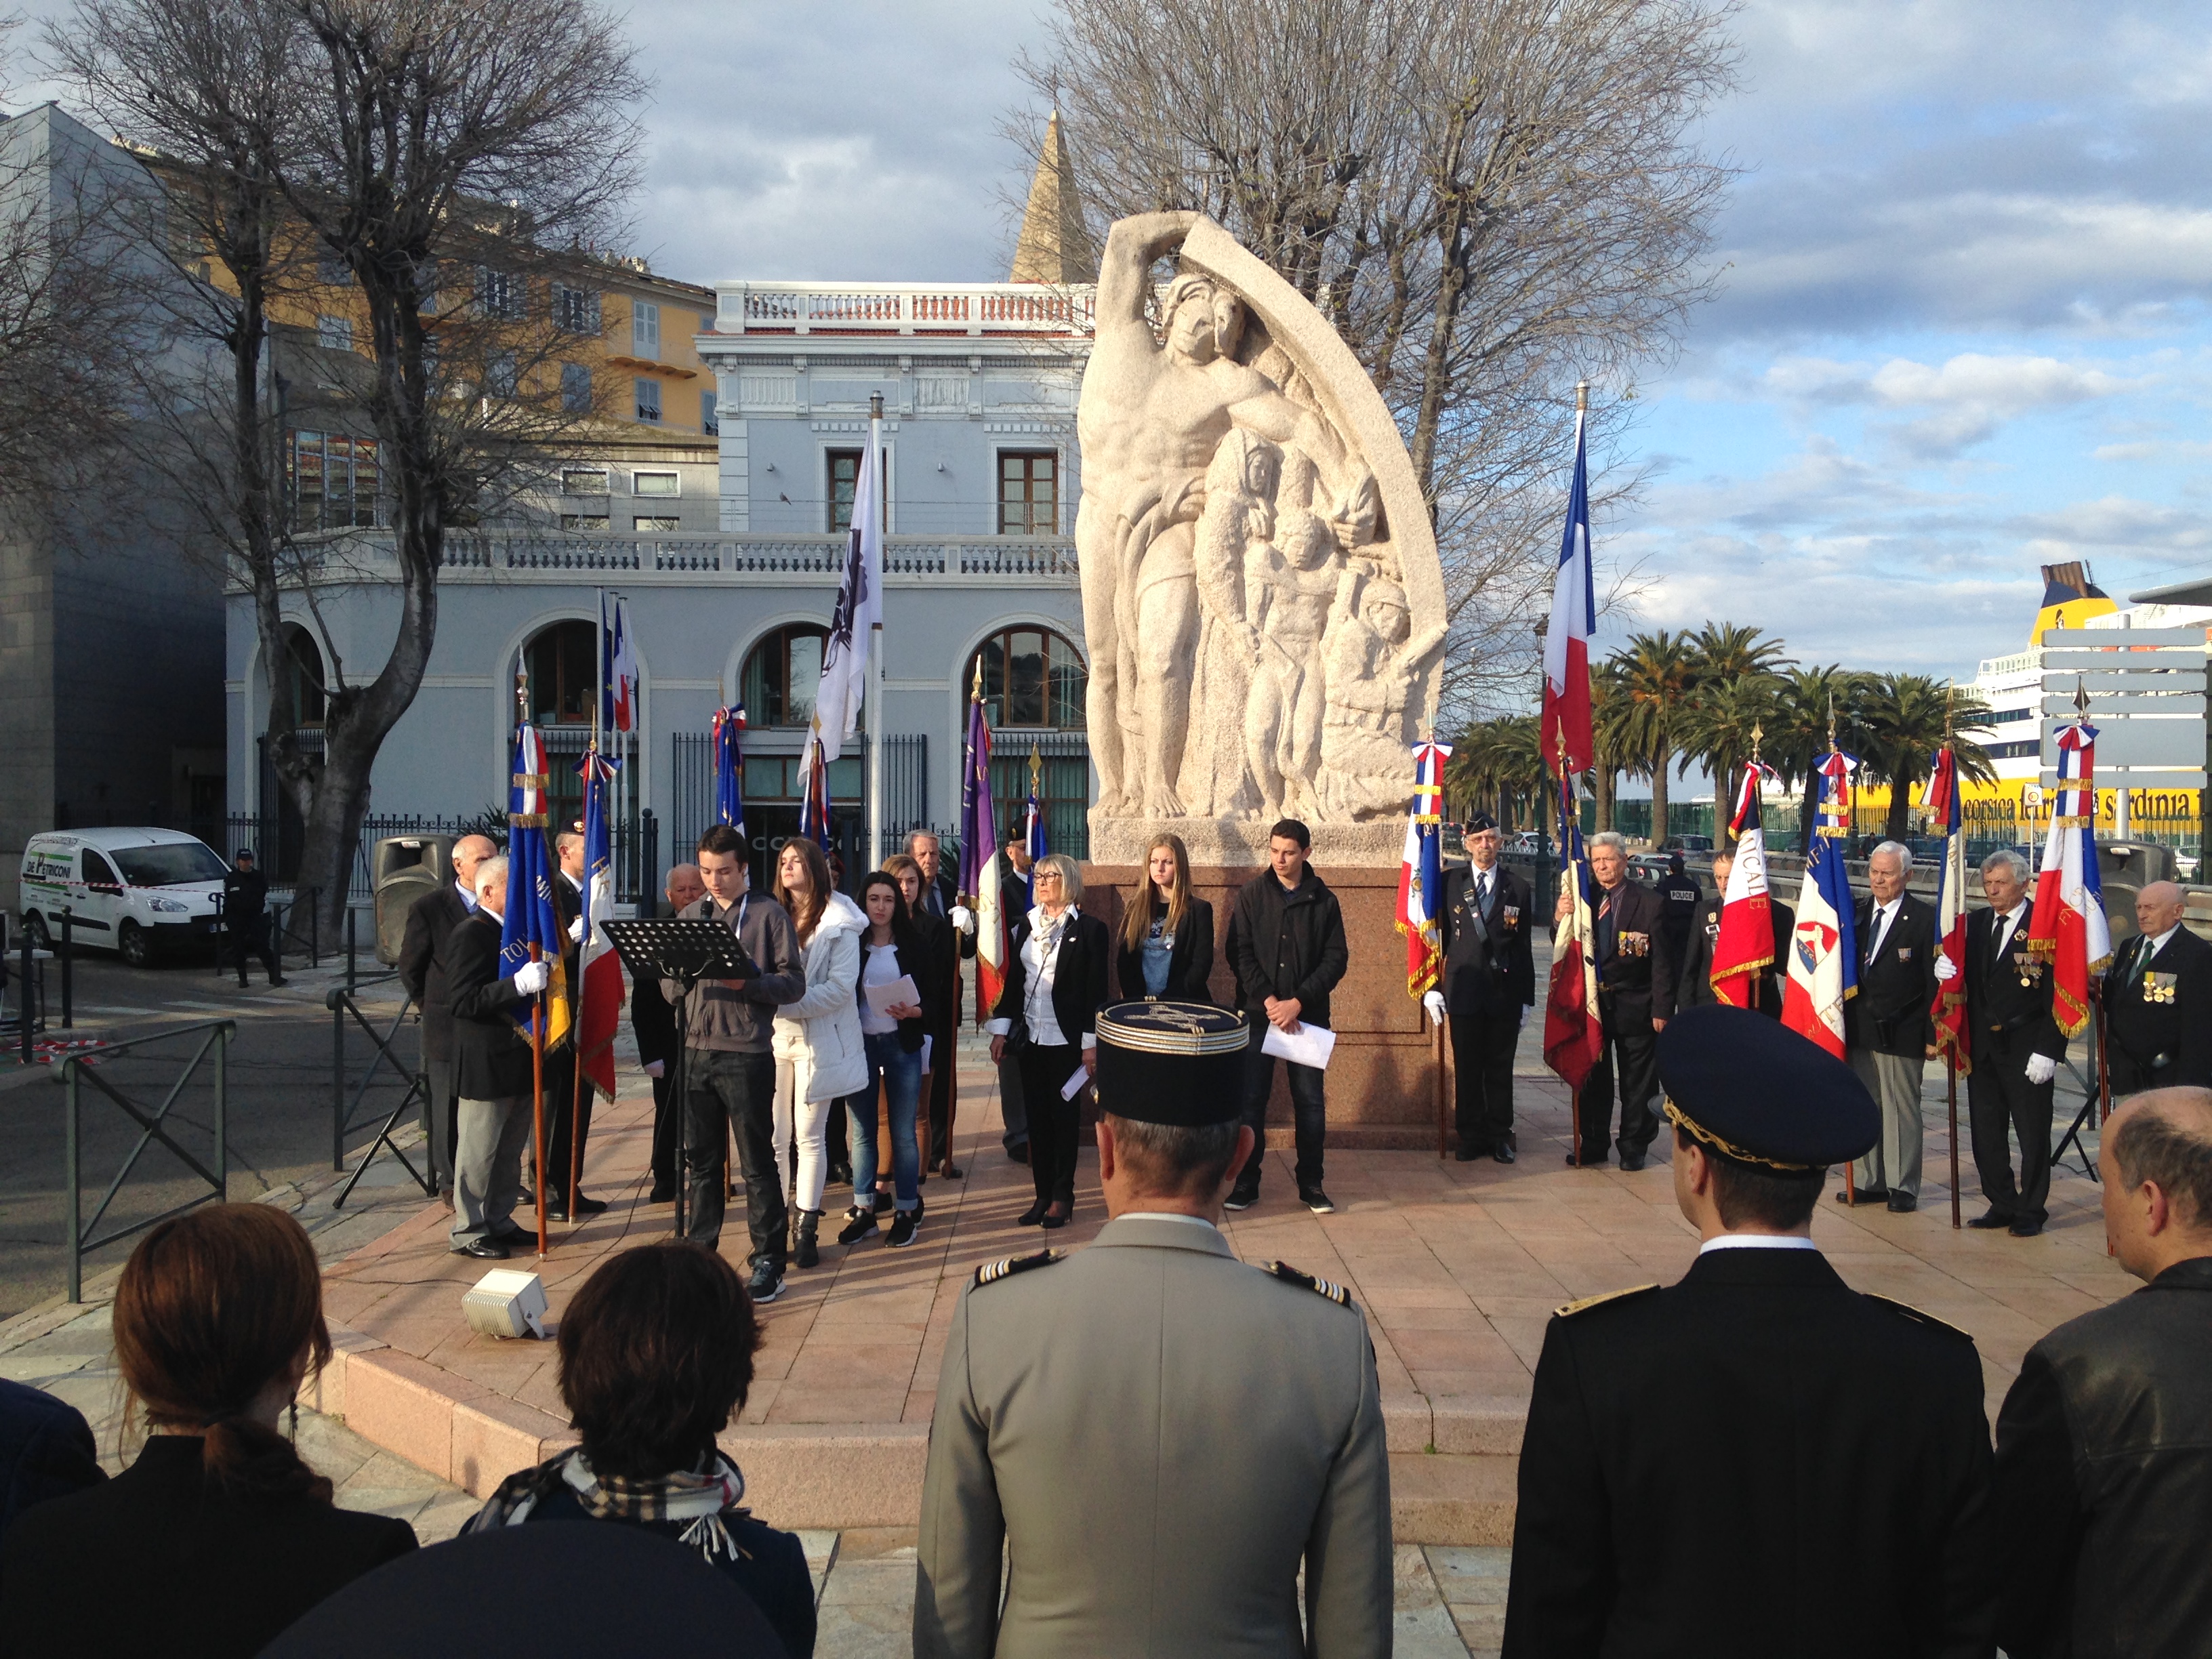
x=158, y=1562
x=2166, y=1012
x=46, y=1450
x=1490, y=967
x=1190, y=960
x=2005, y=1017
x=1635, y=970
x=1078, y=980
x=491, y=1054
x=430, y=922
x=1287, y=944
x=1693, y=980
x=2103, y=1491
x=917, y=965
x=245, y=897
x=1897, y=987
x=652, y=1020
x=1756, y=1461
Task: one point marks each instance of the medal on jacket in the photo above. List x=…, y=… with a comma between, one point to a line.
x=2158, y=989
x=2030, y=970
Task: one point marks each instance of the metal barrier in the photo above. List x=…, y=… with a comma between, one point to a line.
x=342, y=1006
x=76, y=1070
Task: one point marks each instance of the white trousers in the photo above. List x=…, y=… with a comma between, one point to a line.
x=810, y=1120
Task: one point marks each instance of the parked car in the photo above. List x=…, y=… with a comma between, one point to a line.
x=133, y=889
x=1649, y=868
x=1689, y=844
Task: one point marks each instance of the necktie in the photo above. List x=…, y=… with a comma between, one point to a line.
x=1482, y=893
x=2144, y=949
x=1880, y=919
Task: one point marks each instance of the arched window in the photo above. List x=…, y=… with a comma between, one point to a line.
x=300, y=678
x=1031, y=678
x=782, y=675
x=563, y=662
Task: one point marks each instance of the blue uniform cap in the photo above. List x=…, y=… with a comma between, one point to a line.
x=1751, y=1089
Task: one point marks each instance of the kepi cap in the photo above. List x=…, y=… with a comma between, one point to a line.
x=1176, y=1063
x=1748, y=1087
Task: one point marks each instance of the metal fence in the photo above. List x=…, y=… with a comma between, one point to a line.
x=635, y=846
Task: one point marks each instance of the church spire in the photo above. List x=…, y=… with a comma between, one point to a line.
x=1054, y=246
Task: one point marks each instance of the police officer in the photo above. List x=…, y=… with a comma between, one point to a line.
x=1680, y=892
x=1693, y=986
x=2158, y=1000
x=1489, y=977
x=1759, y=1458
x=1160, y=1432
x=245, y=916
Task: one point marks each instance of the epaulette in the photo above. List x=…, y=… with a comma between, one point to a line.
x=1916, y=1316
x=1290, y=1275
x=1585, y=1304
x=992, y=1271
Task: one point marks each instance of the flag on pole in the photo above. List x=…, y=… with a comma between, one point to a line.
x=2068, y=930
x=1421, y=875
x=618, y=710
x=979, y=857
x=728, y=728
x=1746, y=943
x=859, y=610
x=1824, y=953
x=599, y=1009
x=1949, y=1009
x=1566, y=715
x=814, y=799
x=530, y=916
x=1574, y=1028
x=1033, y=839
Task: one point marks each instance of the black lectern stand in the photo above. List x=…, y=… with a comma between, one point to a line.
x=687, y=951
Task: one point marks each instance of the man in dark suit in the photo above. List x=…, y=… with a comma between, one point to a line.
x=1706, y=1464
x=653, y=1022
x=246, y=916
x=567, y=1111
x=2158, y=1000
x=1693, y=978
x=2103, y=1490
x=1636, y=990
x=1489, y=978
x=492, y=1073
x=1887, y=1031
x=2017, y=1047
x=430, y=922
x=941, y=898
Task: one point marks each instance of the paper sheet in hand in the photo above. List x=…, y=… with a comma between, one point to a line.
x=1075, y=1086
x=1310, y=1045
x=899, y=990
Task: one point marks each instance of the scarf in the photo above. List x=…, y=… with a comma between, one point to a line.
x=689, y=1495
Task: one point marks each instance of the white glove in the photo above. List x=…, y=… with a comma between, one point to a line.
x=656, y=1068
x=576, y=930
x=1434, y=1004
x=2041, y=1068
x=1946, y=970
x=962, y=918
x=531, y=978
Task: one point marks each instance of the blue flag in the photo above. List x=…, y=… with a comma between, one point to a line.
x=729, y=730
x=531, y=918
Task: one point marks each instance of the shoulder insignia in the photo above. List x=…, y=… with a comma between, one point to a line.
x=1916, y=1316
x=1290, y=1275
x=1584, y=1305
x=992, y=1271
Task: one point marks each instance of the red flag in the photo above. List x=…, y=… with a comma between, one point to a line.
x=1574, y=1028
x=1949, y=1009
x=1746, y=944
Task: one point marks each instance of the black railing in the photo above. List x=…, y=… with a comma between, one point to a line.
x=344, y=1111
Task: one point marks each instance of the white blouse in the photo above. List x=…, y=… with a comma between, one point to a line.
x=1040, y=963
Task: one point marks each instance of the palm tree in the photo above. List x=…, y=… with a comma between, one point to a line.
x=1808, y=703
x=1608, y=703
x=1655, y=677
x=1718, y=728
x=1496, y=764
x=1901, y=720
x=1721, y=651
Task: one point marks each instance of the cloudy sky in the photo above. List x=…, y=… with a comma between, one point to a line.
x=1962, y=328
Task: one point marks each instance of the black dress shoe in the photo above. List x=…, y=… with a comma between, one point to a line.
x=1586, y=1162
x=589, y=1205
x=1863, y=1195
x=2026, y=1229
x=1466, y=1154
x=1632, y=1161
x=1502, y=1152
x=554, y=1212
x=1019, y=1153
x=1030, y=1217
x=661, y=1195
x=483, y=1249
x=512, y=1235
x=1051, y=1221
x=1991, y=1221
x=1902, y=1203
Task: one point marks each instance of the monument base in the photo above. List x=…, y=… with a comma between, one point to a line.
x=1383, y=1079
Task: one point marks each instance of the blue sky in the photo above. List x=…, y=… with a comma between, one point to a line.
x=1963, y=325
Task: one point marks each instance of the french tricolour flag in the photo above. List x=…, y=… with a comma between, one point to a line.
x=1824, y=952
x=599, y=1011
x=1421, y=876
x=2067, y=929
x=618, y=710
x=1566, y=720
x=1949, y=1009
x=1746, y=945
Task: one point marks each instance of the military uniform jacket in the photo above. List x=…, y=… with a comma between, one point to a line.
x=1158, y=1433
x=1757, y=1463
x=2008, y=1002
x=1897, y=984
x=1635, y=966
x=1489, y=964
x=2160, y=1016
x=1693, y=985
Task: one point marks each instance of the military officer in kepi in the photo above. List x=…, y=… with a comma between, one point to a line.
x=1156, y=1433
x=1489, y=978
x=2158, y=1000
x=1757, y=1460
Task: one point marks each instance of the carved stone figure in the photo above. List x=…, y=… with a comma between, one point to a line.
x=1369, y=660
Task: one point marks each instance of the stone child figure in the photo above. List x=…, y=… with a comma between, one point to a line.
x=1290, y=587
x=1368, y=660
x=1239, y=512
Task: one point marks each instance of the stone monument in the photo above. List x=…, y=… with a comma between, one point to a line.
x=1264, y=616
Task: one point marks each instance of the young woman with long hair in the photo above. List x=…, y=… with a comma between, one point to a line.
x=817, y=1042
x=1165, y=947
x=889, y=950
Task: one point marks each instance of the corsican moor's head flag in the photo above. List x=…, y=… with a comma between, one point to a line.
x=1824, y=952
x=2069, y=929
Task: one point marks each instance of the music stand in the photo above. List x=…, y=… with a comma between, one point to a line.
x=686, y=950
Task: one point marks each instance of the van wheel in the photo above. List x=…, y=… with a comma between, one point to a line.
x=35, y=927
x=138, y=949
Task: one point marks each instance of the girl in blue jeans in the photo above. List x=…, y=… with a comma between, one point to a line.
x=890, y=950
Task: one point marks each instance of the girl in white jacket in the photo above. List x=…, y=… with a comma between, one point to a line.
x=820, y=1054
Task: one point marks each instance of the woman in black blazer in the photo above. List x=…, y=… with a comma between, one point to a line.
x=1062, y=952
x=218, y=1536
x=1165, y=948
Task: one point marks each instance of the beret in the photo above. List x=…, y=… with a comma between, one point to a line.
x=1753, y=1090
x=1177, y=1063
x=1479, y=823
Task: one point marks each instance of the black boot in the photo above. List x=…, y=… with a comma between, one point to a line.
x=805, y=1251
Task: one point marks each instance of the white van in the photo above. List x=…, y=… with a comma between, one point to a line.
x=131, y=890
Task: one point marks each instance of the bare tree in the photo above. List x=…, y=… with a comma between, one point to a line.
x=1490, y=199
x=451, y=163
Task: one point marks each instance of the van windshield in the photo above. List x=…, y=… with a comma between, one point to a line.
x=169, y=865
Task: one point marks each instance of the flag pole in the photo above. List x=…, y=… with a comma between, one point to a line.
x=536, y=1025
x=1574, y=896
x=1950, y=1050
x=876, y=651
x=575, y=1030
x=1850, y=1183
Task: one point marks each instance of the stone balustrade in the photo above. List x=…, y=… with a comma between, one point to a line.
x=971, y=308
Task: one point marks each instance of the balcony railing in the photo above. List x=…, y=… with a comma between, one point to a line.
x=977, y=308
